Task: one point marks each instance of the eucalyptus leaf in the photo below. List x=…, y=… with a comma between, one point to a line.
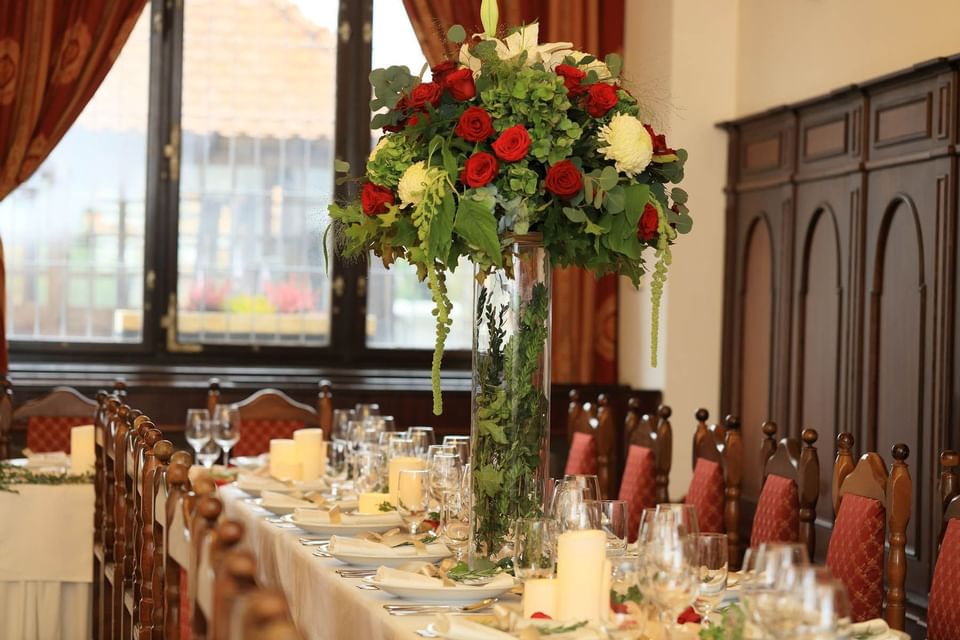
x=341, y=166
x=614, y=63
x=615, y=200
x=609, y=178
x=456, y=33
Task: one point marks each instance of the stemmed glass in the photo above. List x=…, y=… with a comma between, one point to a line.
x=672, y=573
x=456, y=520
x=226, y=429
x=197, y=430
x=361, y=410
x=341, y=422
x=462, y=443
x=711, y=556
x=823, y=604
x=590, y=484
x=423, y=438
x=368, y=474
x=534, y=548
x=764, y=590
x=208, y=453
x=685, y=516
x=614, y=518
x=413, y=497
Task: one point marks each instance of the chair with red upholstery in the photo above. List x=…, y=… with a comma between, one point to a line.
x=943, y=607
x=787, y=506
x=646, y=473
x=717, y=475
x=872, y=508
x=49, y=418
x=590, y=436
x=269, y=414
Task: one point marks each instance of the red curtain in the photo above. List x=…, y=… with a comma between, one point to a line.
x=53, y=56
x=584, y=308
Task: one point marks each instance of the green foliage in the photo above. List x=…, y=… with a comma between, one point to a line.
x=731, y=627
x=456, y=33
x=11, y=475
x=392, y=159
x=386, y=506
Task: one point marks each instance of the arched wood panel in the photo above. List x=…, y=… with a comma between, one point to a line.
x=820, y=318
x=757, y=306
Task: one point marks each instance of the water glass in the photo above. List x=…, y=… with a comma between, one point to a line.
x=423, y=438
x=197, y=430
x=368, y=471
x=337, y=453
x=207, y=454
x=685, y=516
x=534, y=548
x=445, y=473
x=645, y=533
x=462, y=443
x=588, y=482
x=711, y=555
x=614, y=521
x=573, y=513
x=341, y=422
x=455, y=522
x=765, y=588
x=400, y=446
x=362, y=410
x=380, y=423
x=226, y=428
x=672, y=576
x=435, y=449
x=823, y=604
x=413, y=497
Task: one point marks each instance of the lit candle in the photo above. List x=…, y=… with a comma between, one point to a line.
x=283, y=459
x=370, y=502
x=82, y=456
x=581, y=571
x=540, y=595
x=397, y=465
x=311, y=452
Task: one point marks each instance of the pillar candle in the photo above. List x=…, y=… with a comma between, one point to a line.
x=311, y=452
x=581, y=570
x=396, y=465
x=283, y=459
x=370, y=502
x=540, y=595
x=82, y=449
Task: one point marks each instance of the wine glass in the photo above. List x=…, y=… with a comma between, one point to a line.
x=368, y=475
x=422, y=438
x=823, y=605
x=576, y=514
x=711, y=556
x=614, y=518
x=207, y=454
x=226, y=428
x=413, y=497
x=588, y=482
x=645, y=532
x=435, y=449
x=197, y=429
x=400, y=446
x=672, y=576
x=363, y=410
x=445, y=472
x=455, y=521
x=462, y=443
x=685, y=516
x=337, y=459
x=534, y=548
x=764, y=589
x=341, y=422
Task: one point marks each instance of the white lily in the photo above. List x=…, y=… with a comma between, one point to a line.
x=526, y=39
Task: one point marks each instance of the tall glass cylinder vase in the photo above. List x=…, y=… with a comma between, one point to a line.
x=510, y=425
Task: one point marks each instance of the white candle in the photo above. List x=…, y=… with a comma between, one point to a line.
x=283, y=459
x=581, y=568
x=370, y=502
x=311, y=452
x=540, y=595
x=82, y=456
x=397, y=465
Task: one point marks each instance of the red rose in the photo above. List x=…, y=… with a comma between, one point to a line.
x=572, y=77
x=374, y=199
x=461, y=86
x=600, y=99
x=660, y=147
x=649, y=223
x=425, y=92
x=474, y=125
x=564, y=179
x=442, y=70
x=415, y=118
x=688, y=615
x=540, y=615
x=479, y=169
x=513, y=143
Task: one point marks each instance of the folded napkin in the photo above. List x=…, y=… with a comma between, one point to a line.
x=876, y=629
x=401, y=578
x=274, y=499
x=261, y=483
x=46, y=459
x=359, y=547
x=460, y=628
x=320, y=516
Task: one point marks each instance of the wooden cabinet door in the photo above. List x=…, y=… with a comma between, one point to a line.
x=908, y=265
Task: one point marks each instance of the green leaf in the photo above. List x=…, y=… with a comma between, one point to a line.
x=575, y=215
x=341, y=166
x=615, y=63
x=609, y=178
x=684, y=224
x=441, y=229
x=494, y=430
x=488, y=480
x=406, y=233
x=476, y=224
x=678, y=195
x=490, y=16
x=637, y=196
x=456, y=33
x=615, y=200
x=449, y=161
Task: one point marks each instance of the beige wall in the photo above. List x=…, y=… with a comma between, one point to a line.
x=699, y=62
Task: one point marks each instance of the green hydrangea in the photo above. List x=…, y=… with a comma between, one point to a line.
x=391, y=157
x=537, y=99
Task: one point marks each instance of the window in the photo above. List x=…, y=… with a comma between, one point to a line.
x=184, y=212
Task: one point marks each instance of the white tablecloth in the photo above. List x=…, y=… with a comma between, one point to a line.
x=324, y=605
x=46, y=562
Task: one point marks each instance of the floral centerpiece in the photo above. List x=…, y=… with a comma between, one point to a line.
x=520, y=156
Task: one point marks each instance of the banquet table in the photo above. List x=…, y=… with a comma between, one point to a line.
x=46, y=567
x=324, y=605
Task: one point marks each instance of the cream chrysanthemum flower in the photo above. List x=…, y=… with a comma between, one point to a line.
x=627, y=143
x=381, y=143
x=412, y=183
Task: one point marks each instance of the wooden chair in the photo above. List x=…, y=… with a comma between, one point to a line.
x=176, y=549
x=235, y=578
x=208, y=511
x=717, y=477
x=266, y=616
x=269, y=414
x=871, y=505
x=646, y=473
x=943, y=612
x=591, y=439
x=787, y=506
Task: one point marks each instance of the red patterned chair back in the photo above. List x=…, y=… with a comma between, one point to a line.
x=268, y=414
x=873, y=507
x=943, y=612
x=786, y=509
x=49, y=418
x=323, y=412
x=717, y=478
x=646, y=472
x=590, y=435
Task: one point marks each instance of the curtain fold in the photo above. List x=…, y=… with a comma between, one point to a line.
x=584, y=307
x=53, y=56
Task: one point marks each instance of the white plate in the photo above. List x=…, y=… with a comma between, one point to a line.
x=247, y=462
x=460, y=595
x=339, y=529
x=255, y=491
x=274, y=509
x=386, y=561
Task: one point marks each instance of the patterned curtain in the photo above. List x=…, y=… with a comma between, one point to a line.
x=584, y=308
x=53, y=56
